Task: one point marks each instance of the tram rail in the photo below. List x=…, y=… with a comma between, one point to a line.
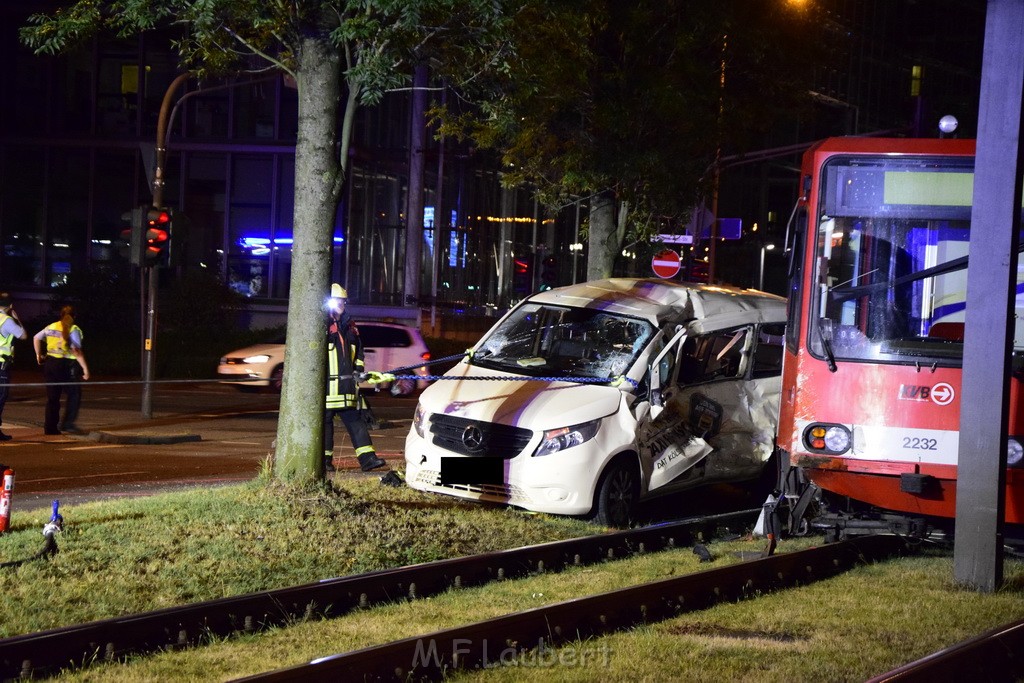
x=991, y=656
x=484, y=643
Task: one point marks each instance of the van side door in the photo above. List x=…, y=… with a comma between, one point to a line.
x=715, y=426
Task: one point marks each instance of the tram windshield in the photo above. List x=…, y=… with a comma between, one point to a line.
x=892, y=245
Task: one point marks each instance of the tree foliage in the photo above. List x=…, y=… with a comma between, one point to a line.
x=633, y=101
x=340, y=54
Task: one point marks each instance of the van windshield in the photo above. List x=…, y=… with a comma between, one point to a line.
x=557, y=341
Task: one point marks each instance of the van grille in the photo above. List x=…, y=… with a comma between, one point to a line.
x=469, y=437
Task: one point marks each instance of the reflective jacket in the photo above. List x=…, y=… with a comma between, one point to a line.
x=6, y=340
x=55, y=345
x=344, y=359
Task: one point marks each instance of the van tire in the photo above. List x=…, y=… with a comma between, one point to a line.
x=617, y=494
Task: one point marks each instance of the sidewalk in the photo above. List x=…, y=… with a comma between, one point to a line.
x=218, y=438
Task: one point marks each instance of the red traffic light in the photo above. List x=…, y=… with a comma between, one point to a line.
x=157, y=235
x=157, y=217
x=156, y=240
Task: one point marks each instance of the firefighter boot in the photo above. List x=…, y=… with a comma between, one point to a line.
x=370, y=461
x=329, y=462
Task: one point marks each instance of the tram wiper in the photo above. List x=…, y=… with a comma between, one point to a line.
x=844, y=292
x=825, y=334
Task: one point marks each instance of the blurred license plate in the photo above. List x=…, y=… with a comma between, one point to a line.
x=472, y=471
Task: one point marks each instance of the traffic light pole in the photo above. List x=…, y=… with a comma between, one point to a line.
x=151, y=271
x=147, y=351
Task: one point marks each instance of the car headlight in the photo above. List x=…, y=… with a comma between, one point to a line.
x=419, y=421
x=556, y=440
x=259, y=358
x=1014, y=452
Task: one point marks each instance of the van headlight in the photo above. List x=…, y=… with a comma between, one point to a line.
x=419, y=421
x=555, y=440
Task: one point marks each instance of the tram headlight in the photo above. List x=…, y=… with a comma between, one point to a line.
x=555, y=440
x=828, y=438
x=1014, y=452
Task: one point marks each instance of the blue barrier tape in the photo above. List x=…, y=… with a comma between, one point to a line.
x=518, y=378
x=394, y=375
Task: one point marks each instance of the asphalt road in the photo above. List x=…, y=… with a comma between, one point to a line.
x=199, y=434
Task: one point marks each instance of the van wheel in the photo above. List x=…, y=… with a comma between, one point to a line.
x=277, y=379
x=617, y=495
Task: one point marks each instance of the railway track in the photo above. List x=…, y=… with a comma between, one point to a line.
x=47, y=652
x=992, y=656
x=502, y=639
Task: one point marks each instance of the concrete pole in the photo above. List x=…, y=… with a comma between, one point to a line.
x=991, y=300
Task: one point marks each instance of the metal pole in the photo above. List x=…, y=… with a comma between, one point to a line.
x=438, y=212
x=147, y=356
x=576, y=243
x=151, y=272
x=716, y=179
x=991, y=294
x=760, y=271
x=535, y=265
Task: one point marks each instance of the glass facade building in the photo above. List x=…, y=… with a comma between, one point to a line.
x=77, y=150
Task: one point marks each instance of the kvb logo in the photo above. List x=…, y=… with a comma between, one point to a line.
x=941, y=394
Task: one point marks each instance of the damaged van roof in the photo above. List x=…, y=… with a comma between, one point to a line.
x=660, y=301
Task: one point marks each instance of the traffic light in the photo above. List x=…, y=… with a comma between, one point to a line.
x=134, y=235
x=149, y=237
x=157, y=236
x=521, y=276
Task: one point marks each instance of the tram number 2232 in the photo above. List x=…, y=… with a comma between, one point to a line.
x=920, y=444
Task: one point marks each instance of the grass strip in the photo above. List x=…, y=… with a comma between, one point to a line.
x=848, y=628
x=135, y=555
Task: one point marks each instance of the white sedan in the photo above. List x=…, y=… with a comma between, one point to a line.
x=387, y=347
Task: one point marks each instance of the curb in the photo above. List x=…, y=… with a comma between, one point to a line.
x=108, y=437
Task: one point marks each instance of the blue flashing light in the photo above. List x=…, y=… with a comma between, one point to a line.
x=261, y=245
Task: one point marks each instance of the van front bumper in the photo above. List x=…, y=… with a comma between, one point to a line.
x=536, y=484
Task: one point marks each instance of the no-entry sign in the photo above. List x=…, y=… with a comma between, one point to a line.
x=665, y=263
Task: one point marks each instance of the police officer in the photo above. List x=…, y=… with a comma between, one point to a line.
x=344, y=362
x=59, y=350
x=10, y=329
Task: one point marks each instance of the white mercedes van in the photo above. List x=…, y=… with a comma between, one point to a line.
x=585, y=399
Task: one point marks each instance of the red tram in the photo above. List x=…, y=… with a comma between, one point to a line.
x=870, y=404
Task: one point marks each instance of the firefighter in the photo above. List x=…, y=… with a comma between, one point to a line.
x=10, y=329
x=344, y=365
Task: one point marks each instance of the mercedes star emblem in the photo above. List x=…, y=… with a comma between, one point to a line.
x=473, y=438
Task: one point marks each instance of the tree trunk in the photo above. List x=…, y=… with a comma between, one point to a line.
x=299, y=451
x=605, y=242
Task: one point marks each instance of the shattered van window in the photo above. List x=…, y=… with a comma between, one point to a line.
x=556, y=341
